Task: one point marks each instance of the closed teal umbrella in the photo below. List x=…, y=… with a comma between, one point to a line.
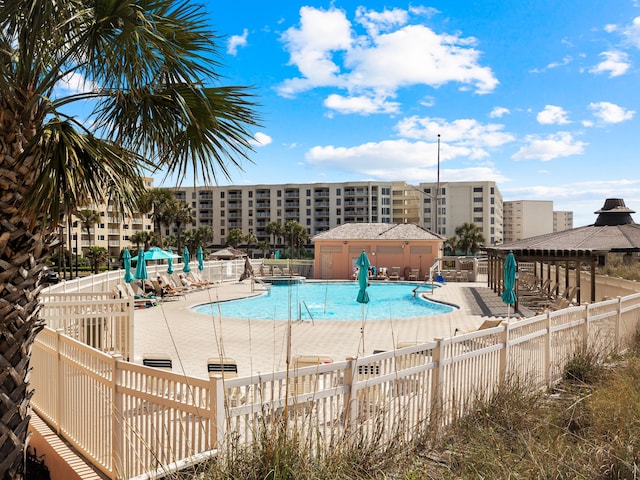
x=185, y=259
x=170, y=262
x=363, y=277
x=126, y=257
x=141, y=268
x=510, y=267
x=363, y=280
x=200, y=259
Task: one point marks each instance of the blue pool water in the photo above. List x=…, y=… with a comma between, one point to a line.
x=330, y=301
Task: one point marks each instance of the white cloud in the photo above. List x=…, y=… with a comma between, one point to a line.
x=236, y=41
x=75, y=83
x=261, y=140
x=561, y=144
x=375, y=22
x=565, y=61
x=499, y=112
x=391, y=54
x=397, y=159
x=462, y=132
x=360, y=104
x=552, y=115
x=615, y=64
x=608, y=112
x=632, y=32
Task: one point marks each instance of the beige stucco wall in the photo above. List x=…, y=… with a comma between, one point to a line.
x=334, y=259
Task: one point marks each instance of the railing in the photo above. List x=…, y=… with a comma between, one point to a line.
x=129, y=419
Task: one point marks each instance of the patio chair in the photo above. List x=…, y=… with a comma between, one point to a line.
x=140, y=301
x=306, y=384
x=166, y=293
x=265, y=270
x=157, y=360
x=227, y=368
x=414, y=274
x=395, y=273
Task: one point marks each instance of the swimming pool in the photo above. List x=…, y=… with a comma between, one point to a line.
x=330, y=301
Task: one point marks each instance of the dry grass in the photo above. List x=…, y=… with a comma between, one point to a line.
x=588, y=427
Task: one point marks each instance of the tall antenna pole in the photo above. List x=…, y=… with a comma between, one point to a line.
x=438, y=187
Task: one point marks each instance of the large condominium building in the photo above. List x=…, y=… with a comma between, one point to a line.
x=530, y=218
x=322, y=206
x=112, y=230
x=477, y=203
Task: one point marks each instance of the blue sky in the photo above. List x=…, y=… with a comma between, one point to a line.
x=538, y=96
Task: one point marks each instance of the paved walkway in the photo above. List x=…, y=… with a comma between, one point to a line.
x=260, y=346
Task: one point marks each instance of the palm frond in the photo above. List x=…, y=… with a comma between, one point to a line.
x=73, y=169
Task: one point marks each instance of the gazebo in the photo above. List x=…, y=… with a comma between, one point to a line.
x=613, y=231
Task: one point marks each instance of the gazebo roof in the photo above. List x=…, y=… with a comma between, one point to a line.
x=613, y=231
x=227, y=254
x=378, y=231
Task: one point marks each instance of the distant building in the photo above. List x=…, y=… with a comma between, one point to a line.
x=320, y=207
x=527, y=218
x=478, y=203
x=113, y=231
x=562, y=220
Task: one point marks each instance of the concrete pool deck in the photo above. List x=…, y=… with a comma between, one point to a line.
x=260, y=346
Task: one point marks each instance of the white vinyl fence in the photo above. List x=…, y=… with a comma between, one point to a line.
x=131, y=420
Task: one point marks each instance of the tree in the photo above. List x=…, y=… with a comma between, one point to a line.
x=470, y=238
x=276, y=230
x=141, y=238
x=149, y=85
x=160, y=203
x=450, y=245
x=182, y=216
x=88, y=219
x=296, y=236
x=97, y=255
x=235, y=237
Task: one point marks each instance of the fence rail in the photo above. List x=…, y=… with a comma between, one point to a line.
x=130, y=419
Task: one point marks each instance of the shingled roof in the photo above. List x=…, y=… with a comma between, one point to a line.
x=378, y=231
x=613, y=231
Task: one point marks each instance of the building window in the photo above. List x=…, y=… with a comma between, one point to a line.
x=279, y=193
x=477, y=199
x=125, y=226
x=221, y=194
x=222, y=234
x=338, y=201
x=338, y=191
x=492, y=201
x=101, y=225
x=308, y=212
x=250, y=203
x=492, y=190
x=250, y=193
x=100, y=237
x=221, y=203
x=477, y=189
x=308, y=193
x=477, y=209
x=338, y=211
x=308, y=202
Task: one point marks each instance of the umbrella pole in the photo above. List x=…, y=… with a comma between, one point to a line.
x=362, y=330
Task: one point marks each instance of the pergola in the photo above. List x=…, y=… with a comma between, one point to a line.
x=613, y=231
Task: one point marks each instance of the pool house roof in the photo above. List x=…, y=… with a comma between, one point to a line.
x=378, y=231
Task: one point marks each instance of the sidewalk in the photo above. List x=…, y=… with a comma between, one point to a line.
x=260, y=346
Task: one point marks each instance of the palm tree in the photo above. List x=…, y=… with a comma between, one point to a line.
x=147, y=73
x=296, y=235
x=470, y=238
x=276, y=229
x=97, y=255
x=159, y=202
x=140, y=238
x=88, y=219
x=182, y=216
x=235, y=237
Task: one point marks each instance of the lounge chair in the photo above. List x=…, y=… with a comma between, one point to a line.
x=139, y=300
x=157, y=360
x=395, y=273
x=197, y=278
x=166, y=294
x=414, y=274
x=227, y=368
x=306, y=384
x=265, y=270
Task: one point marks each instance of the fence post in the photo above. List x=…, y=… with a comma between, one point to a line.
x=216, y=409
x=504, y=352
x=59, y=383
x=547, y=352
x=117, y=454
x=436, y=392
x=585, y=330
x=618, y=324
x=350, y=403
